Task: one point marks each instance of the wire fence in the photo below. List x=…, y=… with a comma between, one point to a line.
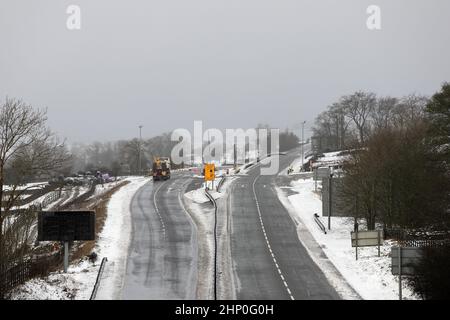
x=21, y=271
x=81, y=198
x=50, y=198
x=418, y=238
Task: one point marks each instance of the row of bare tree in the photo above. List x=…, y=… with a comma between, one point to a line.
x=120, y=157
x=353, y=118
x=395, y=174
x=27, y=149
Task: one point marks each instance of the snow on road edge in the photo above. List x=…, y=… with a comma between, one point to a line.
x=114, y=239
x=370, y=276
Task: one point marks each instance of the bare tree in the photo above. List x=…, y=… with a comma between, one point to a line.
x=341, y=123
x=409, y=111
x=382, y=112
x=358, y=107
x=27, y=148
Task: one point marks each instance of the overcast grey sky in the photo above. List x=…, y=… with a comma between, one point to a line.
x=230, y=63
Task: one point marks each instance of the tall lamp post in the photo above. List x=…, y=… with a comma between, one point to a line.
x=303, y=142
x=330, y=197
x=140, y=141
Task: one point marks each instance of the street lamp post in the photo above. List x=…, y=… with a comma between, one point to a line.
x=330, y=197
x=140, y=141
x=303, y=141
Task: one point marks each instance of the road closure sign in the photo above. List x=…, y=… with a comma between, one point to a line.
x=210, y=172
x=66, y=226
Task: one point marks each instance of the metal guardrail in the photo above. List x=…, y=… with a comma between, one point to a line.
x=221, y=183
x=97, y=281
x=319, y=223
x=213, y=201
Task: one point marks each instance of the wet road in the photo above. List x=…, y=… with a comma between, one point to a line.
x=269, y=261
x=162, y=259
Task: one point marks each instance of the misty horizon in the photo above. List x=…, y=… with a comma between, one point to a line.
x=232, y=65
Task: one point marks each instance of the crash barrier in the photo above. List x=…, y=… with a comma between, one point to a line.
x=99, y=276
x=213, y=201
x=319, y=223
x=220, y=183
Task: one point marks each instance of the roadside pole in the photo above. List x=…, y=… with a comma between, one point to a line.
x=399, y=272
x=140, y=142
x=303, y=129
x=66, y=256
x=330, y=185
x=315, y=180
x=379, y=242
x=235, y=157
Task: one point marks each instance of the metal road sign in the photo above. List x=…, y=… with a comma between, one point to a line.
x=367, y=238
x=210, y=172
x=66, y=225
x=410, y=258
x=322, y=172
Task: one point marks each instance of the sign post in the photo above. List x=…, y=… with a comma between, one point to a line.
x=66, y=256
x=379, y=242
x=210, y=173
x=315, y=180
x=404, y=263
x=400, y=272
x=66, y=226
x=366, y=239
x=330, y=186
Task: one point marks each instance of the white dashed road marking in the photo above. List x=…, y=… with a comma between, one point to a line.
x=268, y=243
x=157, y=211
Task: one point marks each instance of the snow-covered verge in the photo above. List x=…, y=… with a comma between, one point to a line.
x=370, y=275
x=202, y=214
x=203, y=218
x=77, y=283
x=199, y=196
x=114, y=239
x=112, y=243
x=101, y=189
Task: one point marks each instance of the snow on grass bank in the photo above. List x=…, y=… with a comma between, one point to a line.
x=112, y=243
x=370, y=275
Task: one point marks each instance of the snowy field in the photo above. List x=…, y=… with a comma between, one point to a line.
x=370, y=275
x=80, y=279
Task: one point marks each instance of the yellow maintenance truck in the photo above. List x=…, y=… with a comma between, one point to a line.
x=161, y=168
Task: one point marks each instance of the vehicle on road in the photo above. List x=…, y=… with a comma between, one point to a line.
x=161, y=168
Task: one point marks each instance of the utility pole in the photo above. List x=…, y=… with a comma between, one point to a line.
x=330, y=186
x=235, y=157
x=303, y=141
x=140, y=141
